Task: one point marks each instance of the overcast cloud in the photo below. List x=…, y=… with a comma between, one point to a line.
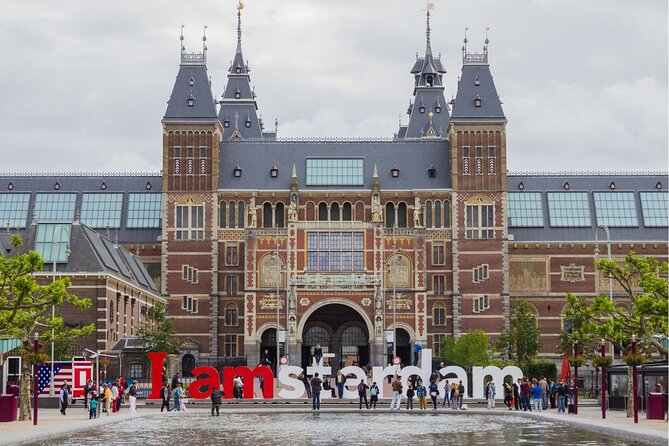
x=84, y=83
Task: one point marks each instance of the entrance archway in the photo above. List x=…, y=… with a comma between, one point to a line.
x=404, y=346
x=268, y=347
x=338, y=329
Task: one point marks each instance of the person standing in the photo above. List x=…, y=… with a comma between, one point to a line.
x=115, y=394
x=525, y=395
x=461, y=394
x=410, y=394
x=397, y=393
x=316, y=387
x=421, y=392
x=447, y=395
x=490, y=394
x=175, y=380
x=318, y=353
x=108, y=395
x=552, y=388
x=216, y=395
x=373, y=395
x=307, y=384
x=362, y=394
x=165, y=394
x=516, y=394
x=434, y=393
x=508, y=395
x=132, y=397
x=544, y=396
x=121, y=387
x=416, y=351
x=177, y=393
x=538, y=394
x=561, y=396
x=87, y=389
x=93, y=405
x=64, y=397
x=340, y=380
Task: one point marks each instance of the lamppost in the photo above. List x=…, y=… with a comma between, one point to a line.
x=35, y=379
x=608, y=250
x=279, y=269
x=576, y=379
x=603, y=353
x=394, y=278
x=97, y=355
x=635, y=384
x=54, y=254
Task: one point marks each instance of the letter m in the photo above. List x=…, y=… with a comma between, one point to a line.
x=479, y=374
x=248, y=377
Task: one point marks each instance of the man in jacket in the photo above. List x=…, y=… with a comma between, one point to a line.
x=397, y=393
x=132, y=397
x=316, y=387
x=340, y=380
x=216, y=395
x=362, y=394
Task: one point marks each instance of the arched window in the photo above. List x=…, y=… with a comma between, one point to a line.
x=402, y=215
x=231, y=315
x=347, y=214
x=231, y=214
x=241, y=215
x=221, y=215
x=267, y=215
x=278, y=215
x=428, y=214
x=316, y=335
x=390, y=215
x=322, y=212
x=334, y=212
x=447, y=214
x=187, y=365
x=437, y=214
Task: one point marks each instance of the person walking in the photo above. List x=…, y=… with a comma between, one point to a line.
x=93, y=405
x=216, y=395
x=316, y=387
x=175, y=380
x=165, y=394
x=421, y=392
x=447, y=395
x=416, y=351
x=132, y=397
x=490, y=395
x=434, y=393
x=115, y=393
x=64, y=397
x=397, y=393
x=410, y=394
x=177, y=394
x=108, y=395
x=121, y=388
x=362, y=394
x=340, y=380
x=525, y=394
x=373, y=395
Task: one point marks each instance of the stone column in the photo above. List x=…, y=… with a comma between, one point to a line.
x=213, y=326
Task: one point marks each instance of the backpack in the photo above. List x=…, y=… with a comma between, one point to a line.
x=373, y=392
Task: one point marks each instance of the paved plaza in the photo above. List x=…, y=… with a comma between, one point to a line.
x=52, y=424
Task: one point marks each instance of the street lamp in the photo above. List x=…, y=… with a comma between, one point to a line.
x=394, y=280
x=603, y=353
x=54, y=254
x=608, y=250
x=35, y=378
x=279, y=270
x=97, y=355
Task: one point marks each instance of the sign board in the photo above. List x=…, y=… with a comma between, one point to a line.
x=397, y=360
x=283, y=360
x=282, y=335
x=390, y=336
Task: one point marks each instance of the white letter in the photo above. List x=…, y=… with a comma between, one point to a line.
x=288, y=376
x=460, y=374
x=359, y=374
x=479, y=374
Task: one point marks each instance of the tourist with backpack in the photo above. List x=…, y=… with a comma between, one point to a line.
x=165, y=396
x=216, y=396
x=373, y=395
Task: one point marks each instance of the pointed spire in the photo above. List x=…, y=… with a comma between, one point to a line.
x=294, y=174
x=204, y=40
x=181, y=40
x=428, y=48
x=240, y=6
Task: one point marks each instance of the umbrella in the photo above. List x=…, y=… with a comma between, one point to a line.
x=564, y=373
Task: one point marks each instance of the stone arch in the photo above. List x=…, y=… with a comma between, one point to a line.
x=406, y=327
x=331, y=301
x=263, y=328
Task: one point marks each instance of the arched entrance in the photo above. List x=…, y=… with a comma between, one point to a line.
x=187, y=365
x=404, y=346
x=268, y=347
x=338, y=329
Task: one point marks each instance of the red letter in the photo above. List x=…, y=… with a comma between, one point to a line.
x=156, y=359
x=248, y=378
x=212, y=380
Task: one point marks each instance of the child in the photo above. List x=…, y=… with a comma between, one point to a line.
x=410, y=395
x=93, y=406
x=421, y=391
x=374, y=395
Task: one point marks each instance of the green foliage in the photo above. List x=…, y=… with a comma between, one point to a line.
x=541, y=367
x=472, y=349
x=644, y=316
x=521, y=339
x=157, y=331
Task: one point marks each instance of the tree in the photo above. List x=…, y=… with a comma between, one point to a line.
x=521, y=340
x=23, y=312
x=471, y=349
x=643, y=315
x=157, y=331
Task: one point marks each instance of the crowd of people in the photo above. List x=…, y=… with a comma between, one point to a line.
x=105, y=398
x=539, y=395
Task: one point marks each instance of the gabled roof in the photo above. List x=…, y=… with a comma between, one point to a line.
x=477, y=80
x=192, y=83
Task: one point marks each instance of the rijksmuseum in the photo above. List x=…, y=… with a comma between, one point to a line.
x=337, y=242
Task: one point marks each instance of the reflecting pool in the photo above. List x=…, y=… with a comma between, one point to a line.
x=329, y=429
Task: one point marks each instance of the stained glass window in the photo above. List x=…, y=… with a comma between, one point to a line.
x=144, y=210
x=55, y=207
x=654, y=208
x=52, y=241
x=525, y=210
x=102, y=210
x=14, y=210
x=334, y=172
x=616, y=209
x=568, y=209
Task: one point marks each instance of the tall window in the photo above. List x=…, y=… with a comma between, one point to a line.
x=479, y=221
x=14, y=210
x=335, y=251
x=145, y=210
x=101, y=210
x=222, y=215
x=334, y=212
x=439, y=314
x=568, y=209
x=190, y=222
x=390, y=215
x=437, y=340
x=231, y=315
x=278, y=215
x=52, y=240
x=231, y=255
x=654, y=208
x=437, y=254
x=465, y=160
x=232, y=214
x=347, y=214
x=267, y=215
x=231, y=285
x=437, y=214
x=616, y=209
x=322, y=212
x=230, y=349
x=439, y=284
x=241, y=215
x=402, y=215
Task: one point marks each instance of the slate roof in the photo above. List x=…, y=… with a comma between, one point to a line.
x=90, y=183
x=491, y=106
x=204, y=108
x=593, y=182
x=412, y=157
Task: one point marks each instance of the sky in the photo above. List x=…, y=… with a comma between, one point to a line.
x=85, y=83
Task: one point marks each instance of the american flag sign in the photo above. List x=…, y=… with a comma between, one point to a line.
x=75, y=373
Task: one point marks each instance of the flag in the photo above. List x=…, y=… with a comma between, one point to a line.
x=564, y=373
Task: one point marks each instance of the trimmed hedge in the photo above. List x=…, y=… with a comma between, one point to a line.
x=541, y=367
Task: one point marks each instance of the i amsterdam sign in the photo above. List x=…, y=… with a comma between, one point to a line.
x=209, y=378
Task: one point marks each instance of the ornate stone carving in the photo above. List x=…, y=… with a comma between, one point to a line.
x=270, y=272
x=402, y=302
x=269, y=302
x=417, y=210
x=572, y=273
x=292, y=208
x=366, y=302
x=305, y=302
x=528, y=275
x=399, y=272
x=252, y=218
x=377, y=210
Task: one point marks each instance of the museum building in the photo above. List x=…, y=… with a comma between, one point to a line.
x=347, y=243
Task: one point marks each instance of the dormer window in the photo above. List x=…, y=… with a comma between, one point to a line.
x=238, y=70
x=432, y=171
x=237, y=171
x=191, y=100
x=394, y=172
x=437, y=109
x=226, y=123
x=248, y=123
x=237, y=95
x=477, y=100
x=429, y=81
x=191, y=82
x=421, y=109
x=274, y=171
x=477, y=81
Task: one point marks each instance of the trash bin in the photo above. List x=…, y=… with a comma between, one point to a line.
x=8, y=408
x=655, y=406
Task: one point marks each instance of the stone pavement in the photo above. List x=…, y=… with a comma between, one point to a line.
x=52, y=424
